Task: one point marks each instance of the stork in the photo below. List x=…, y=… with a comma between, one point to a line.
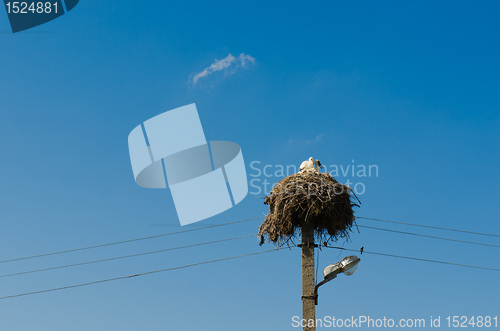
x=306, y=165
x=310, y=164
x=318, y=165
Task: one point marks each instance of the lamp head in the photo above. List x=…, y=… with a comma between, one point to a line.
x=348, y=266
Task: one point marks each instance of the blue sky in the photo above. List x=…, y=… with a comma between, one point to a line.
x=409, y=87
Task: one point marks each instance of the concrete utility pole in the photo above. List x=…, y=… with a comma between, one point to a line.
x=330, y=215
x=308, y=299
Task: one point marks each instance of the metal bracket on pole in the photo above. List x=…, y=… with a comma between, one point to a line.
x=315, y=297
x=307, y=244
x=318, y=285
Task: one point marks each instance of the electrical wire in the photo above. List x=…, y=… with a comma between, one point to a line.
x=430, y=226
x=124, y=256
x=235, y=222
x=229, y=258
x=216, y=241
x=416, y=258
x=137, y=275
x=427, y=236
x=126, y=241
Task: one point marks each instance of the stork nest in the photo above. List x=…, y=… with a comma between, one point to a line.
x=311, y=198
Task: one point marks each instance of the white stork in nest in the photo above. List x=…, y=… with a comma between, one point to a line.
x=310, y=164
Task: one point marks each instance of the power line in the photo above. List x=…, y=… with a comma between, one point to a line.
x=125, y=241
x=427, y=236
x=183, y=247
x=430, y=226
x=217, y=225
x=124, y=257
x=416, y=258
x=137, y=275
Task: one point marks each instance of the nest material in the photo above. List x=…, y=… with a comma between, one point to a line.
x=308, y=198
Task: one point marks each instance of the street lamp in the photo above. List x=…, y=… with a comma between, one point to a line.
x=347, y=266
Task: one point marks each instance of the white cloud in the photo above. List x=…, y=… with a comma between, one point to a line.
x=229, y=65
x=302, y=142
x=318, y=138
x=245, y=58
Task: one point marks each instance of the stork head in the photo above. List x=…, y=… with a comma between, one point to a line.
x=311, y=159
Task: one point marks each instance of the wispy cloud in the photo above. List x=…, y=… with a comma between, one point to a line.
x=228, y=65
x=318, y=138
x=301, y=142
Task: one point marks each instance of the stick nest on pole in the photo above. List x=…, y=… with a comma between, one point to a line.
x=310, y=197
